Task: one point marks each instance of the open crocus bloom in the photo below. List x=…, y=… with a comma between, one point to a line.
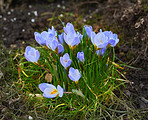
x=99, y=40
x=112, y=38
x=65, y=60
x=74, y=74
x=31, y=54
x=50, y=91
x=70, y=36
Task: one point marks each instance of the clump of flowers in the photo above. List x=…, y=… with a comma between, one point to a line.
x=77, y=62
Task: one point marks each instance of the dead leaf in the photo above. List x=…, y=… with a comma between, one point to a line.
x=48, y=77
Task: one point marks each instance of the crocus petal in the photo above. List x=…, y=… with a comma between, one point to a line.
x=47, y=93
x=43, y=86
x=60, y=90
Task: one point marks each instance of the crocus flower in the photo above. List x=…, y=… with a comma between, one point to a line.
x=31, y=54
x=88, y=30
x=52, y=31
x=52, y=42
x=61, y=37
x=112, y=38
x=101, y=51
x=70, y=36
x=41, y=38
x=69, y=28
x=74, y=74
x=65, y=60
x=80, y=56
x=60, y=48
x=50, y=91
x=99, y=40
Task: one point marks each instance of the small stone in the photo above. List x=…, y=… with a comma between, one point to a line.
x=23, y=30
x=58, y=5
x=13, y=46
x=1, y=16
x=9, y=13
x=5, y=19
x=36, y=13
x=30, y=6
x=33, y=20
x=12, y=10
x=84, y=20
x=14, y=19
x=61, y=15
x=63, y=7
x=90, y=16
x=29, y=13
x=30, y=118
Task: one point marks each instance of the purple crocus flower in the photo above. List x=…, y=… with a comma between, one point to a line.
x=88, y=30
x=52, y=42
x=70, y=36
x=60, y=48
x=31, y=54
x=41, y=38
x=65, y=60
x=112, y=38
x=74, y=74
x=52, y=31
x=99, y=40
x=69, y=28
x=61, y=37
x=80, y=56
x=50, y=91
x=101, y=51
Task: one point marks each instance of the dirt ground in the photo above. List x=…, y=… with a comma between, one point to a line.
x=129, y=19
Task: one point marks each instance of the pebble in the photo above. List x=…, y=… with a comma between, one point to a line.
x=9, y=13
x=14, y=19
x=1, y=16
x=90, y=16
x=63, y=7
x=36, y=13
x=23, y=30
x=5, y=19
x=30, y=118
x=84, y=20
x=61, y=15
x=33, y=20
x=29, y=13
x=58, y=5
x=12, y=10
x=30, y=6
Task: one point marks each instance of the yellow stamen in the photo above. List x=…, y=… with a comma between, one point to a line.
x=54, y=91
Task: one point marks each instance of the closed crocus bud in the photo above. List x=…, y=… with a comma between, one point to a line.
x=60, y=48
x=74, y=74
x=31, y=54
x=52, y=42
x=99, y=40
x=61, y=37
x=65, y=60
x=80, y=56
x=101, y=51
x=41, y=38
x=88, y=30
x=69, y=28
x=50, y=91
